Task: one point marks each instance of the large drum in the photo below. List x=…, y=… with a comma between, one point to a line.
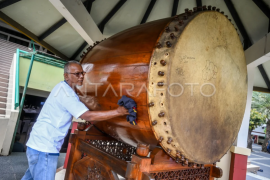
x=188, y=76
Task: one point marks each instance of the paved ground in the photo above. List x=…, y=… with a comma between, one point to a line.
x=261, y=159
x=14, y=166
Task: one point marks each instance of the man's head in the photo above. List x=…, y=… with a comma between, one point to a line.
x=73, y=73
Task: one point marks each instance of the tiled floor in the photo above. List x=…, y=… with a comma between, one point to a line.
x=14, y=166
x=261, y=159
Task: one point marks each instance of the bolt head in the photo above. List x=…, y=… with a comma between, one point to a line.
x=161, y=114
x=163, y=62
x=154, y=122
x=169, y=44
x=161, y=73
x=159, y=45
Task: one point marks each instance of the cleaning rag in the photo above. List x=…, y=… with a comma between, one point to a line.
x=131, y=105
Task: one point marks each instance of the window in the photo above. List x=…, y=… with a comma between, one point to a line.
x=18, y=41
x=3, y=36
x=13, y=33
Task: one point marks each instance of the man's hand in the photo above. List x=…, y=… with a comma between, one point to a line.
x=122, y=110
x=104, y=115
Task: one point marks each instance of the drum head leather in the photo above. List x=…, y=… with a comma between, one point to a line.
x=200, y=105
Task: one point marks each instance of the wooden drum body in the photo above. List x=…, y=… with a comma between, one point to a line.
x=188, y=77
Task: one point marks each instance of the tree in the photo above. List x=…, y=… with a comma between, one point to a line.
x=256, y=119
x=261, y=102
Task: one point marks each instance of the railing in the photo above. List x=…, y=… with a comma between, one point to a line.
x=34, y=56
x=38, y=57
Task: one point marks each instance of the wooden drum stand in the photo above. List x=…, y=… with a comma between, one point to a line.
x=96, y=156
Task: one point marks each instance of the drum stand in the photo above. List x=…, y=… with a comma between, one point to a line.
x=95, y=156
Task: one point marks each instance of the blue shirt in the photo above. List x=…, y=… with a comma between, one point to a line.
x=55, y=118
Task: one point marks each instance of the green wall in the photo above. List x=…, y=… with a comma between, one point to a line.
x=43, y=76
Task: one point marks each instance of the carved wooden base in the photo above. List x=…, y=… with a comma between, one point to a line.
x=95, y=156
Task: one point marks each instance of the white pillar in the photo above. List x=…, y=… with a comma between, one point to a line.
x=243, y=132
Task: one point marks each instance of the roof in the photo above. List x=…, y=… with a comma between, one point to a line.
x=46, y=25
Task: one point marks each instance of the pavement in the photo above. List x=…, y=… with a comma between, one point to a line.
x=14, y=166
x=261, y=159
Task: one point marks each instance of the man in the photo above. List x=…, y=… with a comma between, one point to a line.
x=54, y=120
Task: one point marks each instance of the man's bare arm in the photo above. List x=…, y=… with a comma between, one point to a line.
x=104, y=115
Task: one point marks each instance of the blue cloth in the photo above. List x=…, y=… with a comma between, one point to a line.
x=55, y=118
x=42, y=166
x=131, y=105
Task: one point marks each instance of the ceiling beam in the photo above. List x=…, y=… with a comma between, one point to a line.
x=87, y=4
x=258, y=53
x=75, y=13
x=29, y=34
x=148, y=11
x=52, y=29
x=263, y=6
x=265, y=9
x=237, y=20
x=199, y=3
x=7, y=3
x=175, y=7
x=79, y=50
x=110, y=15
x=264, y=75
x=260, y=89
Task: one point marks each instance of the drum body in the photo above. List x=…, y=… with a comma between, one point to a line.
x=187, y=75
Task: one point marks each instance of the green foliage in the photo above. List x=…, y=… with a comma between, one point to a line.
x=256, y=119
x=260, y=109
x=261, y=102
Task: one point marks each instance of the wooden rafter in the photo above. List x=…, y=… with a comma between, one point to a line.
x=29, y=34
x=237, y=20
x=148, y=11
x=7, y=3
x=110, y=15
x=260, y=89
x=265, y=9
x=175, y=7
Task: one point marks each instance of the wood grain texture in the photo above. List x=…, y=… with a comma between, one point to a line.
x=206, y=52
x=122, y=61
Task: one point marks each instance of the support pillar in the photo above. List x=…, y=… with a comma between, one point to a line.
x=238, y=168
